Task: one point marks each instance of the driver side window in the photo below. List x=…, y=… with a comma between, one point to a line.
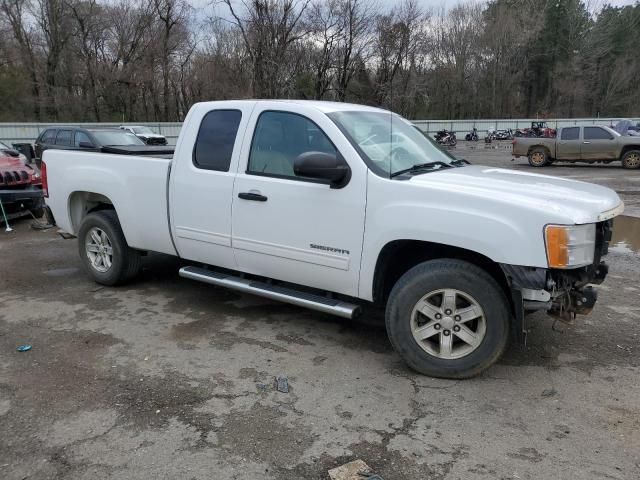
x=279, y=138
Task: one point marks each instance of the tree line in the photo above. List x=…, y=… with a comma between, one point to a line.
x=150, y=60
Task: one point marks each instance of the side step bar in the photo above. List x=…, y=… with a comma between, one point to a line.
x=273, y=292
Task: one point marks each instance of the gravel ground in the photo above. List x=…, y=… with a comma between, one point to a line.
x=171, y=379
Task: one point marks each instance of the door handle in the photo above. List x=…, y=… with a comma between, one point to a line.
x=586, y=143
x=254, y=196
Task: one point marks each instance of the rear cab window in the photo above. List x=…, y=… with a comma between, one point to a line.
x=570, y=133
x=216, y=137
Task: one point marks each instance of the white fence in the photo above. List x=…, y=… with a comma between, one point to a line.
x=28, y=132
x=465, y=126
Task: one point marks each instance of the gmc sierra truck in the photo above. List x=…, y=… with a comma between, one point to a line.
x=580, y=144
x=338, y=208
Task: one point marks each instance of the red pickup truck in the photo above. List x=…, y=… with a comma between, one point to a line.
x=20, y=188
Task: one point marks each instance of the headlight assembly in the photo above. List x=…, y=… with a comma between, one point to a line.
x=570, y=246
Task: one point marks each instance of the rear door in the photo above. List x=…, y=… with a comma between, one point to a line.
x=598, y=144
x=292, y=228
x=64, y=139
x=568, y=144
x=201, y=188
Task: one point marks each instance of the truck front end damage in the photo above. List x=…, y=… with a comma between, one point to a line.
x=562, y=292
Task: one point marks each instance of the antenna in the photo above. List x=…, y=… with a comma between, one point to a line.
x=391, y=128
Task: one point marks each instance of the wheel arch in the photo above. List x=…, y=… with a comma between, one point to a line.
x=82, y=203
x=628, y=148
x=540, y=146
x=399, y=256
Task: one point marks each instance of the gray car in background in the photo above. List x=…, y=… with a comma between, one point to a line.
x=145, y=134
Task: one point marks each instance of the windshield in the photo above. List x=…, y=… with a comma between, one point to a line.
x=388, y=142
x=141, y=130
x=116, y=137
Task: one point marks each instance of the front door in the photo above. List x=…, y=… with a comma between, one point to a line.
x=291, y=228
x=598, y=144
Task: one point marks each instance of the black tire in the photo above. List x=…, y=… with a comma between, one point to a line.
x=450, y=274
x=48, y=215
x=631, y=160
x=126, y=261
x=538, y=157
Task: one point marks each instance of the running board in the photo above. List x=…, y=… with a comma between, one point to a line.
x=273, y=292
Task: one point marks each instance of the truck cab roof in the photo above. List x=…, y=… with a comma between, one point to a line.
x=321, y=105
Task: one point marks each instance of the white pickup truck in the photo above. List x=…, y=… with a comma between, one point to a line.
x=336, y=207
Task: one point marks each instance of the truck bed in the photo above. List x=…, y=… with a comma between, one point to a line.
x=136, y=186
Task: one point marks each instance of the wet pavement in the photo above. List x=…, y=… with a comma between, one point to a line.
x=626, y=234
x=171, y=379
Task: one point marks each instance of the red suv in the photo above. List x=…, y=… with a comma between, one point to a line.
x=20, y=188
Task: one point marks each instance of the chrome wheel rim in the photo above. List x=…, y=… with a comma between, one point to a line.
x=633, y=160
x=99, y=249
x=537, y=158
x=448, y=323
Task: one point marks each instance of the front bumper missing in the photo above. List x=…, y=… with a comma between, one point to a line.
x=563, y=294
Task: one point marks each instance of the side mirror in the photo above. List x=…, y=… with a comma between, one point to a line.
x=325, y=166
x=85, y=145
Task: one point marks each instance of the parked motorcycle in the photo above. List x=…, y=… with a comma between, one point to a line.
x=472, y=136
x=493, y=134
x=445, y=137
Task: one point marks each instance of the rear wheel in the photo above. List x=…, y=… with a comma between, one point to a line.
x=631, y=159
x=448, y=318
x=538, y=157
x=104, y=250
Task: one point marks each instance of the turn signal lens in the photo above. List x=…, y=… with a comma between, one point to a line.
x=570, y=246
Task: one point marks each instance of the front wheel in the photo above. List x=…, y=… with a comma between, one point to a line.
x=448, y=318
x=104, y=249
x=631, y=159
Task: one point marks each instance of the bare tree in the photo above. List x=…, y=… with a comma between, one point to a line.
x=358, y=17
x=269, y=29
x=16, y=14
x=397, y=37
x=172, y=15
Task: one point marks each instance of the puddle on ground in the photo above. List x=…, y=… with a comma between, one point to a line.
x=626, y=234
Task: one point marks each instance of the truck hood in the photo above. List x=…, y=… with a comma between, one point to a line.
x=572, y=200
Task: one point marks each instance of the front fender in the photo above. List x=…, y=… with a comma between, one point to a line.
x=493, y=228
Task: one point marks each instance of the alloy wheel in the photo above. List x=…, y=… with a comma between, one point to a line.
x=448, y=324
x=99, y=249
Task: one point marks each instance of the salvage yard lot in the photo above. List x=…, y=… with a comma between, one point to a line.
x=171, y=379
